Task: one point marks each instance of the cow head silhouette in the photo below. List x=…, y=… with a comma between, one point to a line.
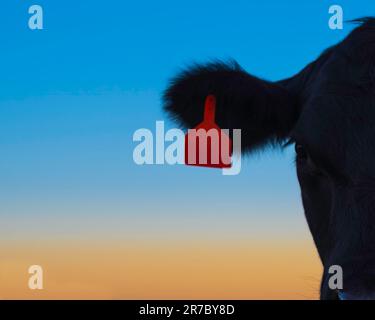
x=328, y=112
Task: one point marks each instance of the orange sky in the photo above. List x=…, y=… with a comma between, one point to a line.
x=275, y=269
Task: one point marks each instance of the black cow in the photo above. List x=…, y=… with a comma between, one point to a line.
x=328, y=111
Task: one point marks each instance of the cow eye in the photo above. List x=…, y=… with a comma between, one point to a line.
x=301, y=152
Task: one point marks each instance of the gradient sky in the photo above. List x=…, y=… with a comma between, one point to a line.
x=72, y=96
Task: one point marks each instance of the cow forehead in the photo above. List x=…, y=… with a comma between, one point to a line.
x=340, y=127
x=337, y=118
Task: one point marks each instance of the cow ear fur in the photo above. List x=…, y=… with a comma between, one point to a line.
x=264, y=111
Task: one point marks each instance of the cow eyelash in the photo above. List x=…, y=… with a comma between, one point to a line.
x=288, y=143
x=300, y=150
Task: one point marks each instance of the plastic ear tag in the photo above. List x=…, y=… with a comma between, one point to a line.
x=207, y=145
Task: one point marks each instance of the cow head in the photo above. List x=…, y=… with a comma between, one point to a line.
x=328, y=112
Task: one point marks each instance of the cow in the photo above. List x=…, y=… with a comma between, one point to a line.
x=327, y=111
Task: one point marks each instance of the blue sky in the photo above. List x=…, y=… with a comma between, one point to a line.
x=91, y=45
x=73, y=94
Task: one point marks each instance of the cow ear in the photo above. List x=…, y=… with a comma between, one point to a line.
x=264, y=111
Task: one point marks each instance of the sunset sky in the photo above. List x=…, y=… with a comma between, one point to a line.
x=71, y=197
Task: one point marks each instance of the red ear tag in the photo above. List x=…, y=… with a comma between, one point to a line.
x=207, y=145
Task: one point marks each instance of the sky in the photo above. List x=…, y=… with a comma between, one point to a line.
x=73, y=200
